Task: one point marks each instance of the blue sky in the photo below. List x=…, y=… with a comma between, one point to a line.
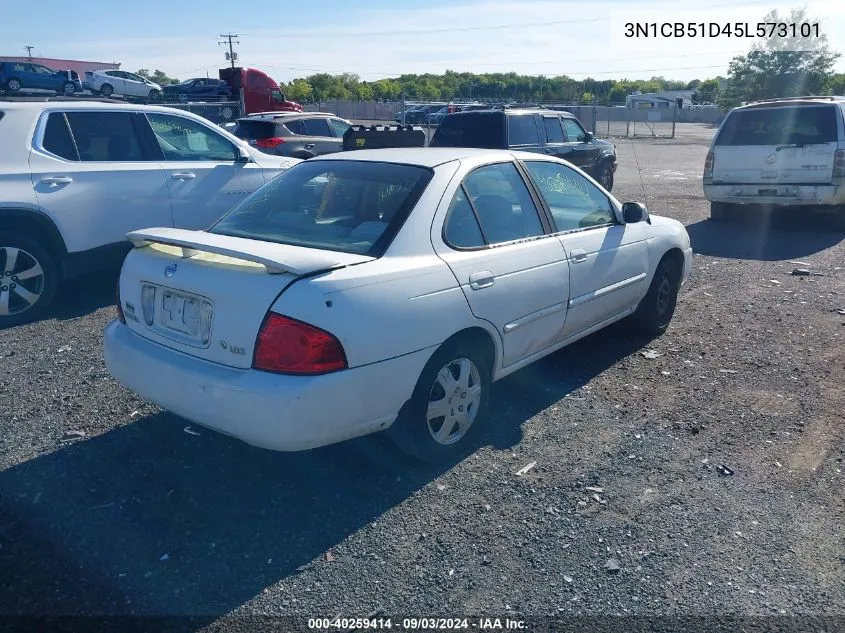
x=387, y=37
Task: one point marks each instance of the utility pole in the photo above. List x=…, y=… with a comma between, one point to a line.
x=29, y=50
x=232, y=56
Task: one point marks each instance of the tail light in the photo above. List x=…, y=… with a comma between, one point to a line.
x=287, y=346
x=120, y=316
x=708, y=165
x=839, y=164
x=269, y=143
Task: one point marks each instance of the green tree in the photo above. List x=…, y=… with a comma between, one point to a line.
x=774, y=68
x=837, y=84
x=706, y=92
x=157, y=77
x=299, y=90
x=587, y=97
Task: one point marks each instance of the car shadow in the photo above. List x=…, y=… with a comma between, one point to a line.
x=84, y=295
x=148, y=519
x=764, y=236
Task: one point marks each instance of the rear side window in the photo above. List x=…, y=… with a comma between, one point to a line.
x=296, y=127
x=522, y=130
x=461, y=229
x=254, y=130
x=317, y=127
x=780, y=126
x=105, y=136
x=484, y=130
x=57, y=138
x=554, y=133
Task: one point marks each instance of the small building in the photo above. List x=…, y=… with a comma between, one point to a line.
x=663, y=99
x=65, y=64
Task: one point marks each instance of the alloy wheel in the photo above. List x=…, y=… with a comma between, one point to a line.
x=21, y=280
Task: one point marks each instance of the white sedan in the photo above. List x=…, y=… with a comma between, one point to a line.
x=120, y=82
x=384, y=289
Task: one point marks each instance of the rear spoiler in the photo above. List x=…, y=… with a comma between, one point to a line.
x=378, y=137
x=276, y=258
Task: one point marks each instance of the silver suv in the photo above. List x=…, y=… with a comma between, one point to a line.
x=294, y=134
x=780, y=153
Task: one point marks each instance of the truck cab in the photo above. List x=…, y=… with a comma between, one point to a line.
x=259, y=92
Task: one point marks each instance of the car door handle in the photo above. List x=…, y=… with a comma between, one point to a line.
x=549, y=150
x=184, y=176
x=309, y=146
x=483, y=279
x=57, y=180
x=578, y=255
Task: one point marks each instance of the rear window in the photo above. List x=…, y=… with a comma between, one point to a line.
x=780, y=126
x=484, y=130
x=253, y=130
x=348, y=206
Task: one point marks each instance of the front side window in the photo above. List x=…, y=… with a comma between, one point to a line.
x=574, y=132
x=522, y=130
x=184, y=139
x=42, y=70
x=347, y=206
x=502, y=203
x=132, y=77
x=574, y=201
x=105, y=136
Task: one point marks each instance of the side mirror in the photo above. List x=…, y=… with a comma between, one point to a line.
x=633, y=212
x=243, y=156
x=588, y=136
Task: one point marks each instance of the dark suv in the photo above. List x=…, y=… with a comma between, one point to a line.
x=296, y=135
x=538, y=130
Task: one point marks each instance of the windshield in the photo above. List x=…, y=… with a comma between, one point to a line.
x=780, y=126
x=348, y=206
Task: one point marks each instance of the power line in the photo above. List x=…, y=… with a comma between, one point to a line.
x=309, y=34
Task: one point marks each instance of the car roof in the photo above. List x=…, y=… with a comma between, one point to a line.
x=791, y=101
x=426, y=156
x=506, y=111
x=270, y=116
x=59, y=103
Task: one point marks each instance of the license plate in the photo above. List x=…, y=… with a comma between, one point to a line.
x=180, y=312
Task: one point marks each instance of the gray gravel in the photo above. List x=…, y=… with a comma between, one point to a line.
x=625, y=511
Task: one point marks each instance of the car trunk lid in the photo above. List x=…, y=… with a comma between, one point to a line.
x=777, y=145
x=206, y=295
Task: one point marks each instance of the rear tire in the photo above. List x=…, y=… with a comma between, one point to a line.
x=721, y=211
x=657, y=308
x=456, y=381
x=29, y=277
x=106, y=90
x=14, y=84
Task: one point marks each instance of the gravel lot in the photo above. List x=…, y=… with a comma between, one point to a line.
x=140, y=516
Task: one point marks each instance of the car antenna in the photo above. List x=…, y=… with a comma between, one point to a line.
x=639, y=172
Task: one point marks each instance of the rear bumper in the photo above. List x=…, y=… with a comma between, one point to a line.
x=776, y=195
x=277, y=412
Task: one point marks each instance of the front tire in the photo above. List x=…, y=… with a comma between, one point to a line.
x=657, y=308
x=154, y=96
x=447, y=405
x=68, y=89
x=606, y=176
x=28, y=279
x=106, y=90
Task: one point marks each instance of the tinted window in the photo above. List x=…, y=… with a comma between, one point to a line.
x=503, y=204
x=574, y=201
x=779, y=126
x=252, y=130
x=461, y=228
x=184, y=139
x=43, y=70
x=574, y=131
x=57, y=139
x=554, y=133
x=317, y=127
x=522, y=130
x=348, y=206
x=295, y=127
x=339, y=126
x=105, y=136
x=472, y=129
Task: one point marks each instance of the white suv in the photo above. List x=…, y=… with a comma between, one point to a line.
x=783, y=152
x=120, y=82
x=76, y=176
